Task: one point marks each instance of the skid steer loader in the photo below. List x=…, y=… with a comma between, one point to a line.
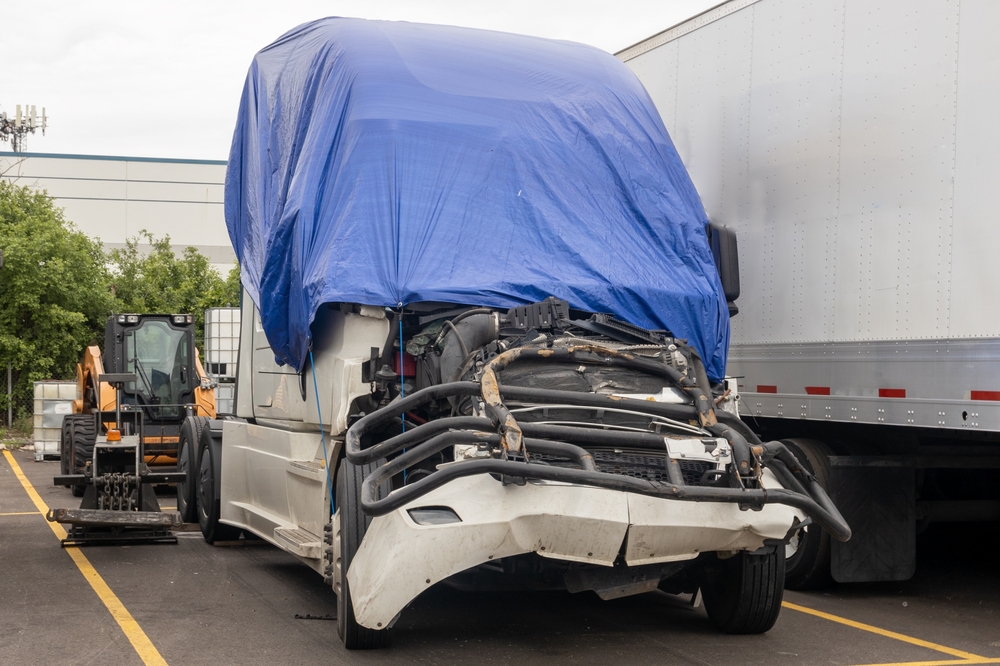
x=136, y=395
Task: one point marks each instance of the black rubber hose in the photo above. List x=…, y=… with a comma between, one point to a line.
x=737, y=424
x=352, y=441
x=579, y=455
x=414, y=436
x=742, y=456
x=468, y=334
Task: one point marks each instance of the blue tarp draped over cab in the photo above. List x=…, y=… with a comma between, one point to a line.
x=384, y=163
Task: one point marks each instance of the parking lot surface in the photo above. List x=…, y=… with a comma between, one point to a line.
x=192, y=603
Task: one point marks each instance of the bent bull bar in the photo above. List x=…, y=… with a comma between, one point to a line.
x=801, y=490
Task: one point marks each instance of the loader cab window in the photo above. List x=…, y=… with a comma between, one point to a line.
x=160, y=358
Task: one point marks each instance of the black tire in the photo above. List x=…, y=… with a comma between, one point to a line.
x=807, y=563
x=65, y=442
x=353, y=525
x=82, y=430
x=209, y=505
x=187, y=462
x=743, y=593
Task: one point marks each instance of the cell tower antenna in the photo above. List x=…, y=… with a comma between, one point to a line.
x=18, y=128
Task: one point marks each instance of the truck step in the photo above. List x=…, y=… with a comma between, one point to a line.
x=299, y=542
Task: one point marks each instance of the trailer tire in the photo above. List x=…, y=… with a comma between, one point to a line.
x=82, y=431
x=742, y=593
x=807, y=564
x=209, y=506
x=353, y=525
x=188, y=463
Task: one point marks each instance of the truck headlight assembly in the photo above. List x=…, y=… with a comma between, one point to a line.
x=133, y=319
x=433, y=515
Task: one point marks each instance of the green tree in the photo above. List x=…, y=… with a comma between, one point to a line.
x=158, y=281
x=54, y=296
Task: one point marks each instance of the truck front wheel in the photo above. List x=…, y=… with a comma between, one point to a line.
x=807, y=554
x=353, y=524
x=743, y=593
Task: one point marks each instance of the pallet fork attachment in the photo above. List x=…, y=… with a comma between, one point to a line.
x=119, y=503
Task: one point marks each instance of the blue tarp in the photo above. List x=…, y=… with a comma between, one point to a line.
x=389, y=163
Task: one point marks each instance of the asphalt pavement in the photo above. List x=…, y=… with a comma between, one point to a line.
x=192, y=603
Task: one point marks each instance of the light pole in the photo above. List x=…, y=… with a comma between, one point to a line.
x=17, y=128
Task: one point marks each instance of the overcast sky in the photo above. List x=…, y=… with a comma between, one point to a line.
x=163, y=79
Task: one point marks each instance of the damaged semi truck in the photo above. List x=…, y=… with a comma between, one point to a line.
x=484, y=328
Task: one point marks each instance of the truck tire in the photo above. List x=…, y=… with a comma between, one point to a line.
x=209, y=506
x=187, y=462
x=353, y=525
x=742, y=594
x=807, y=563
x=82, y=431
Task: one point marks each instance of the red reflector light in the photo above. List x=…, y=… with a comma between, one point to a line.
x=891, y=393
x=817, y=390
x=986, y=395
x=765, y=388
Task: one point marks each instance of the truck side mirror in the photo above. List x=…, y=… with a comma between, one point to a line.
x=722, y=241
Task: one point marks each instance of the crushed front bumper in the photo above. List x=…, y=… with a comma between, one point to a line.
x=399, y=558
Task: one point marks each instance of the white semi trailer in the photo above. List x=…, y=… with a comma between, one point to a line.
x=461, y=252
x=854, y=149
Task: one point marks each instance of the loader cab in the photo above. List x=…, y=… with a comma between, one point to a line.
x=159, y=350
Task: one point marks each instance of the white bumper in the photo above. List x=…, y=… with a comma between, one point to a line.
x=398, y=559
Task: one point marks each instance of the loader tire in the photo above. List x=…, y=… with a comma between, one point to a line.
x=742, y=593
x=353, y=525
x=82, y=432
x=188, y=463
x=807, y=563
x=209, y=505
x=65, y=442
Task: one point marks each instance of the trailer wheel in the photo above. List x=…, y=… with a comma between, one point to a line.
x=742, y=593
x=807, y=563
x=82, y=432
x=353, y=524
x=209, y=505
x=187, y=462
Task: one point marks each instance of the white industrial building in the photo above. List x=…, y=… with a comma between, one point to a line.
x=114, y=198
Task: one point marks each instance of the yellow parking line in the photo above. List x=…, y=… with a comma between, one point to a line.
x=941, y=662
x=20, y=513
x=967, y=657
x=136, y=636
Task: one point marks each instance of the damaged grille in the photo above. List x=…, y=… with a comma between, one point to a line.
x=636, y=464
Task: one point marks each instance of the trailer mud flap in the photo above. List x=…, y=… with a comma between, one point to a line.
x=877, y=498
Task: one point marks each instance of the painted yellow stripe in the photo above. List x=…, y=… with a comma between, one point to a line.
x=136, y=636
x=941, y=662
x=968, y=657
x=20, y=513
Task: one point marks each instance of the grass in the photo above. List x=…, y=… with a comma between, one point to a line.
x=20, y=434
